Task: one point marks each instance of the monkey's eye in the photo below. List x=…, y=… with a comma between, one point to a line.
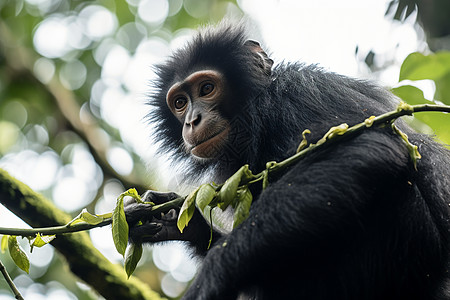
x=180, y=103
x=206, y=89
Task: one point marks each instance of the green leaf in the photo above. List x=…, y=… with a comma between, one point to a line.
x=133, y=194
x=187, y=210
x=4, y=244
x=205, y=195
x=105, y=216
x=443, y=89
x=418, y=66
x=17, y=254
x=89, y=218
x=120, y=226
x=247, y=175
x=437, y=121
x=228, y=191
x=242, y=208
x=411, y=95
x=132, y=257
x=40, y=241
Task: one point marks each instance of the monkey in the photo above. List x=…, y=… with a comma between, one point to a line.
x=353, y=221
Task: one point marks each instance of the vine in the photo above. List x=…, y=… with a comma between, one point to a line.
x=235, y=192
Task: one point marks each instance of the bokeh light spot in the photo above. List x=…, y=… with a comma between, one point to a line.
x=73, y=74
x=120, y=160
x=44, y=69
x=197, y=8
x=51, y=37
x=153, y=11
x=99, y=21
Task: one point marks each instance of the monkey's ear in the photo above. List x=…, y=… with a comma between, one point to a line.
x=264, y=61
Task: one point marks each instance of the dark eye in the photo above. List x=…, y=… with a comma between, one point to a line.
x=180, y=103
x=206, y=89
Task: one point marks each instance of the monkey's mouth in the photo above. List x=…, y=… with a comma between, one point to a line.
x=210, y=147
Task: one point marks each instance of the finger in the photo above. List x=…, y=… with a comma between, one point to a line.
x=170, y=216
x=147, y=229
x=158, y=197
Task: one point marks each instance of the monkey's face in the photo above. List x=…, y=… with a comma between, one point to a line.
x=198, y=102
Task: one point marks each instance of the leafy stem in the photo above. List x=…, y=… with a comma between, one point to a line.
x=31, y=232
x=338, y=133
x=234, y=192
x=335, y=134
x=235, y=189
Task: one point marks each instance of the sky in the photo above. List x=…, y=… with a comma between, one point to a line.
x=327, y=32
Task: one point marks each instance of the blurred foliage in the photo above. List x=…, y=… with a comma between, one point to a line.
x=434, y=67
x=431, y=21
x=433, y=16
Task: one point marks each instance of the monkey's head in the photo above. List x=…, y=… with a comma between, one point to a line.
x=199, y=102
x=203, y=94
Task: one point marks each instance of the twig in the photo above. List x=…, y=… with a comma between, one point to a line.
x=52, y=230
x=83, y=259
x=82, y=226
x=331, y=137
x=403, y=110
x=11, y=284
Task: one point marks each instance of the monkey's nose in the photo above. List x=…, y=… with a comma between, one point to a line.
x=195, y=121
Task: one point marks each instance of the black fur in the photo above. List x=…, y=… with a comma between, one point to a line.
x=355, y=221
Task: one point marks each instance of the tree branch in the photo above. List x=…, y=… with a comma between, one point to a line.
x=11, y=284
x=83, y=258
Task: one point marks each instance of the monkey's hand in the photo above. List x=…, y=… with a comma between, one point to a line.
x=145, y=225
